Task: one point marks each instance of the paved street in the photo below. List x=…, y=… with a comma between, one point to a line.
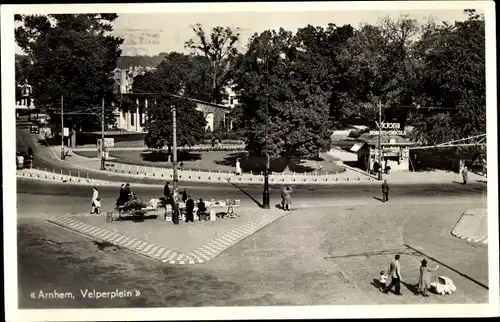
x=329, y=255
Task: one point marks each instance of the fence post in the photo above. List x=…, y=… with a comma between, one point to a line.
x=78, y=175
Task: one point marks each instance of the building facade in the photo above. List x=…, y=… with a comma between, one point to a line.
x=395, y=152
x=134, y=119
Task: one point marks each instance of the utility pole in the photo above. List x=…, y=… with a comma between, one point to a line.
x=379, y=140
x=102, y=136
x=175, y=218
x=265, y=194
x=62, y=127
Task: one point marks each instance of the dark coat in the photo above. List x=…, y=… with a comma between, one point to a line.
x=201, y=206
x=385, y=187
x=189, y=204
x=166, y=191
x=184, y=196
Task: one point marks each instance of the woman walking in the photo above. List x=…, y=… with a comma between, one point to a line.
x=96, y=202
x=424, y=281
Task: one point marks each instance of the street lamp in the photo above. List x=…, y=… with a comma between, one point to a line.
x=265, y=194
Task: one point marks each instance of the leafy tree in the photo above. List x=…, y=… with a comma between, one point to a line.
x=320, y=52
x=452, y=78
x=220, y=49
x=273, y=87
x=182, y=75
x=73, y=55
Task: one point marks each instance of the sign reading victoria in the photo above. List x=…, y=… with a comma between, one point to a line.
x=388, y=129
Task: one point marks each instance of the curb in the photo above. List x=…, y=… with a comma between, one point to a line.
x=203, y=254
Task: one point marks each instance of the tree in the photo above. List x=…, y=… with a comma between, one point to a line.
x=320, y=52
x=273, y=86
x=379, y=66
x=220, y=49
x=452, y=77
x=182, y=75
x=73, y=55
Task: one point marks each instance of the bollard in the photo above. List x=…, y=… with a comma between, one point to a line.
x=189, y=177
x=250, y=178
x=359, y=178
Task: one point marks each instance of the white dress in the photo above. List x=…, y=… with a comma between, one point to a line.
x=238, y=167
x=97, y=203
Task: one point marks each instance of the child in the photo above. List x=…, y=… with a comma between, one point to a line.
x=382, y=280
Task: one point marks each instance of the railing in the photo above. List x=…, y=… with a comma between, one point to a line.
x=161, y=173
x=61, y=175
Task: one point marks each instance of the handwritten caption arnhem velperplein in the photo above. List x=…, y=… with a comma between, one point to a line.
x=87, y=294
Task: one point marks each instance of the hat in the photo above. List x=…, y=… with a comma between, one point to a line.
x=424, y=262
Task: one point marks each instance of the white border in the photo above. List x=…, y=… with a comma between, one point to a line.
x=295, y=312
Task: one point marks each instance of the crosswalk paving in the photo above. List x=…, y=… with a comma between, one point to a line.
x=205, y=253
x=472, y=226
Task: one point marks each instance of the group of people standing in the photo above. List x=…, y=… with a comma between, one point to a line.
x=394, y=274
x=173, y=198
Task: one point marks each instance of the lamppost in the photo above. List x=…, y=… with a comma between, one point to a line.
x=265, y=194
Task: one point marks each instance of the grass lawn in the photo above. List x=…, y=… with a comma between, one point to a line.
x=222, y=161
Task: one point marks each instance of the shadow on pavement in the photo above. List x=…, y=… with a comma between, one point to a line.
x=379, y=199
x=411, y=288
x=248, y=195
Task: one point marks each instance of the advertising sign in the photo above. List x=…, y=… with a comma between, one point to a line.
x=388, y=129
x=66, y=131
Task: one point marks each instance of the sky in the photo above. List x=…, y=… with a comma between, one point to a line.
x=166, y=32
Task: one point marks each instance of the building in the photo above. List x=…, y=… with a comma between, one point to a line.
x=395, y=152
x=215, y=114
x=24, y=100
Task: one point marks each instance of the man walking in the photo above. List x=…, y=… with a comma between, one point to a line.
x=395, y=275
x=385, y=191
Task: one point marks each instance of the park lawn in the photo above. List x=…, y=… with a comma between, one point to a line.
x=223, y=161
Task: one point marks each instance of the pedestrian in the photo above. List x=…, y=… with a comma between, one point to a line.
x=122, y=196
x=166, y=190
x=103, y=162
x=238, y=167
x=395, y=275
x=96, y=202
x=184, y=195
x=385, y=191
x=202, y=208
x=465, y=175
x=128, y=193
x=424, y=280
x=286, y=198
x=220, y=143
x=213, y=142
x=189, y=209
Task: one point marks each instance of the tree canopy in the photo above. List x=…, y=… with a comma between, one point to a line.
x=276, y=89
x=181, y=75
x=219, y=47
x=73, y=55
